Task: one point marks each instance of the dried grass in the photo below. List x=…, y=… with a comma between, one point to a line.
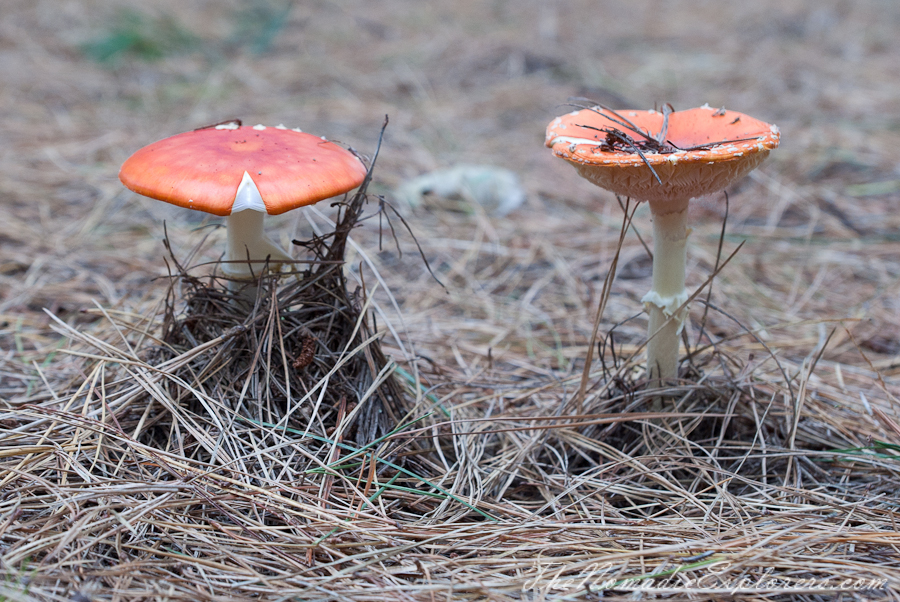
x=183, y=467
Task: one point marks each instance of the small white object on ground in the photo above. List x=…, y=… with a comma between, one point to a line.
x=496, y=189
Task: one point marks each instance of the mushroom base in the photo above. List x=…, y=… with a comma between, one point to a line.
x=670, y=234
x=662, y=349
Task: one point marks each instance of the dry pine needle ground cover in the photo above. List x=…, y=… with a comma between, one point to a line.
x=432, y=450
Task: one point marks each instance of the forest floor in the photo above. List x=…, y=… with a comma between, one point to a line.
x=776, y=478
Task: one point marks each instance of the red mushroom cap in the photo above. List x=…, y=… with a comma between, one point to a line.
x=703, y=152
x=203, y=169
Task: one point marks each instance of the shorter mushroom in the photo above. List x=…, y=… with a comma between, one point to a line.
x=243, y=173
x=665, y=158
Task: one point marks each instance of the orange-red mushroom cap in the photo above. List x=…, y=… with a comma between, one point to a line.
x=709, y=149
x=204, y=169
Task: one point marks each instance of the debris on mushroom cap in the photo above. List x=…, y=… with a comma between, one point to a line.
x=204, y=169
x=704, y=149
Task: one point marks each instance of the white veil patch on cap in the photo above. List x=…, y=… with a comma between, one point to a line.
x=248, y=196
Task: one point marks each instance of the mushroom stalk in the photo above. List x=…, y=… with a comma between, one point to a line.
x=248, y=240
x=670, y=234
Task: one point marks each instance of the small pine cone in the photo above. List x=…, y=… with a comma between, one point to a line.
x=307, y=353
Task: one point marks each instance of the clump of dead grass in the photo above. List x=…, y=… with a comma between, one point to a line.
x=303, y=355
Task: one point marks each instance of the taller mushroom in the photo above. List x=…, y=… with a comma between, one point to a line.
x=243, y=173
x=665, y=158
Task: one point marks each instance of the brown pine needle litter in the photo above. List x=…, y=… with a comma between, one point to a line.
x=212, y=453
x=362, y=432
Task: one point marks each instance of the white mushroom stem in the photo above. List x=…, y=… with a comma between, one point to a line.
x=248, y=240
x=670, y=233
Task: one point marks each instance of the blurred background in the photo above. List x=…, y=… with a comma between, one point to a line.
x=84, y=83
